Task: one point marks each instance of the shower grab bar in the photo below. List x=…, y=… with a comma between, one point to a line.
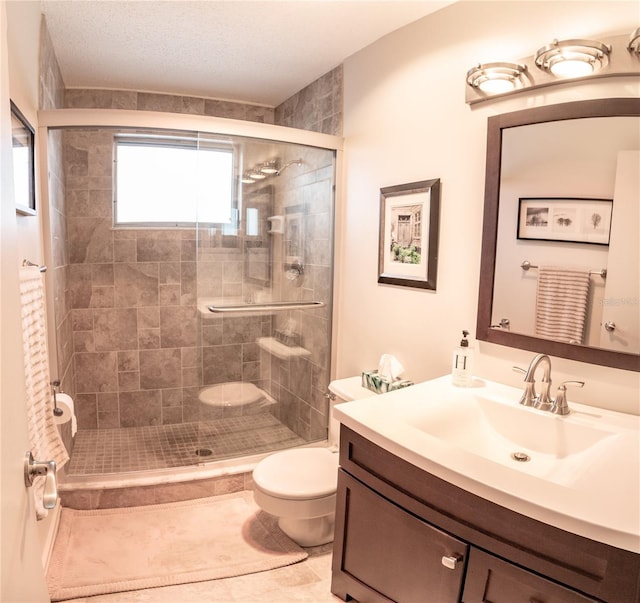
x=270, y=307
x=603, y=273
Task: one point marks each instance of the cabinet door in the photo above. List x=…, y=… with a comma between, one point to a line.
x=396, y=554
x=492, y=580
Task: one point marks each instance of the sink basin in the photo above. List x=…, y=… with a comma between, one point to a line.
x=480, y=424
x=501, y=431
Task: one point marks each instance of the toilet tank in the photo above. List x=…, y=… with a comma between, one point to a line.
x=344, y=390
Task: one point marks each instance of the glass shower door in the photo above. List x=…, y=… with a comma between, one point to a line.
x=264, y=303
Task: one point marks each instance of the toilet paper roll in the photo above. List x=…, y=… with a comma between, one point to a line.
x=65, y=404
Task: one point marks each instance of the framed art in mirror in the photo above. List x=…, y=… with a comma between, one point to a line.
x=23, y=147
x=562, y=219
x=409, y=219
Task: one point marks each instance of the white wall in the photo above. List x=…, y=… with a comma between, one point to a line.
x=23, y=38
x=405, y=120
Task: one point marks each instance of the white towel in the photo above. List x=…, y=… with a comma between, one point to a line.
x=44, y=439
x=561, y=303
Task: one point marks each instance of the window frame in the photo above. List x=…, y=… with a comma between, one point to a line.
x=179, y=140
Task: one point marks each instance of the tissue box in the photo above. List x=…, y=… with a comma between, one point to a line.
x=381, y=385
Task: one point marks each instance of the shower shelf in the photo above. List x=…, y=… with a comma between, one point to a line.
x=268, y=307
x=280, y=350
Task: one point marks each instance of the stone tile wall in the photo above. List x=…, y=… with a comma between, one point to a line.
x=318, y=107
x=142, y=350
x=76, y=98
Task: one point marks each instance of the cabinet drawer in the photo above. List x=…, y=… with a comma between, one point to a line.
x=492, y=580
x=395, y=554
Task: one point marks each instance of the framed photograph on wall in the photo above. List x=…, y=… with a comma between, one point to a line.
x=23, y=143
x=409, y=224
x=565, y=219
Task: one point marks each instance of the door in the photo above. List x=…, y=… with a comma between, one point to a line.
x=22, y=578
x=620, y=328
x=390, y=554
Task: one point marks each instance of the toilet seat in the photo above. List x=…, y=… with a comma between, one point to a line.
x=299, y=474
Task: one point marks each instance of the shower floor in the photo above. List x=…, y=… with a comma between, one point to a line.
x=100, y=451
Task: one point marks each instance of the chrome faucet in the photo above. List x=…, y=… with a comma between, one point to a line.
x=544, y=401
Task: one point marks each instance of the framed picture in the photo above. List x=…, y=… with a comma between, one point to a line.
x=563, y=219
x=23, y=143
x=409, y=224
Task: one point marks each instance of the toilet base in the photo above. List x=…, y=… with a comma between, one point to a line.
x=308, y=532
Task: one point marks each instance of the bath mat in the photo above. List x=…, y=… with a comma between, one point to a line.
x=114, y=550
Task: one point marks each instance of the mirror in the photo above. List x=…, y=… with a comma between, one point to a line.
x=561, y=162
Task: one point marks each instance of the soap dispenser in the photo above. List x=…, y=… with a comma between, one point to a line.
x=462, y=361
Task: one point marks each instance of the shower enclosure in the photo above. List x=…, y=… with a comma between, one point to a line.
x=186, y=338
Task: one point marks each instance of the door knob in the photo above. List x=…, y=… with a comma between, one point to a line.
x=610, y=326
x=33, y=469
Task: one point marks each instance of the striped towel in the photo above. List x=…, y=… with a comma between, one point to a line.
x=561, y=303
x=44, y=438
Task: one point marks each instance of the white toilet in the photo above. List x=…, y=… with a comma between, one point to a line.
x=299, y=485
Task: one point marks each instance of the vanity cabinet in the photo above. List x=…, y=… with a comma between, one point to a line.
x=405, y=535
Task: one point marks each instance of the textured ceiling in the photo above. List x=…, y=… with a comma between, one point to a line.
x=257, y=52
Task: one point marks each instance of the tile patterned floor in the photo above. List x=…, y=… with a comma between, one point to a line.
x=308, y=581
x=103, y=451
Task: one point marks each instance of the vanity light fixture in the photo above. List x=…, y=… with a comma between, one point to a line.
x=634, y=42
x=246, y=179
x=496, y=78
x=573, y=58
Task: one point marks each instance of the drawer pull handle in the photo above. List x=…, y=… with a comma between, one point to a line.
x=451, y=561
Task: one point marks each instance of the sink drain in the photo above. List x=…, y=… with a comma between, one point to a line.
x=204, y=452
x=521, y=457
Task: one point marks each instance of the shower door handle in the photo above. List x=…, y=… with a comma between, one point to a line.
x=33, y=469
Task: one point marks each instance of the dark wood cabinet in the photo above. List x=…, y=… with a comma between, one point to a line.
x=407, y=536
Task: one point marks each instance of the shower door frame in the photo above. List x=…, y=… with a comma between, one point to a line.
x=115, y=118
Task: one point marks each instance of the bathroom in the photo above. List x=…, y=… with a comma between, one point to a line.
x=404, y=119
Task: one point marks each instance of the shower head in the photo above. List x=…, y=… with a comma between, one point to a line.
x=289, y=164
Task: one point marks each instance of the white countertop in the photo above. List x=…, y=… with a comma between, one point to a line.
x=595, y=493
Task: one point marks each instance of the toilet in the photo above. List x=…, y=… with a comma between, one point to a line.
x=298, y=486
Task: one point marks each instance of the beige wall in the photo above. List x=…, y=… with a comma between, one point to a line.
x=23, y=34
x=405, y=119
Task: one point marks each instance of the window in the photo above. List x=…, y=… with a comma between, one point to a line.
x=172, y=181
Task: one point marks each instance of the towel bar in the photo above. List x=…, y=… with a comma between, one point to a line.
x=28, y=263
x=526, y=265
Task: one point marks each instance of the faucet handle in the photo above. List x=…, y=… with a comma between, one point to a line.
x=529, y=394
x=560, y=406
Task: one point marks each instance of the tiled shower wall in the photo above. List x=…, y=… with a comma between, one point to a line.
x=141, y=348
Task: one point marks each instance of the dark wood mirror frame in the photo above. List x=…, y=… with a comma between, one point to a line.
x=495, y=126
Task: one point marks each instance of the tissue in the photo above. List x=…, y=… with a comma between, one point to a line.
x=390, y=367
x=65, y=404
x=387, y=377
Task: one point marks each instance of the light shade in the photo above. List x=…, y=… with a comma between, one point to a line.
x=573, y=58
x=496, y=78
x=270, y=167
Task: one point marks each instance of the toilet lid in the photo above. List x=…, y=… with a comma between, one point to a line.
x=301, y=473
